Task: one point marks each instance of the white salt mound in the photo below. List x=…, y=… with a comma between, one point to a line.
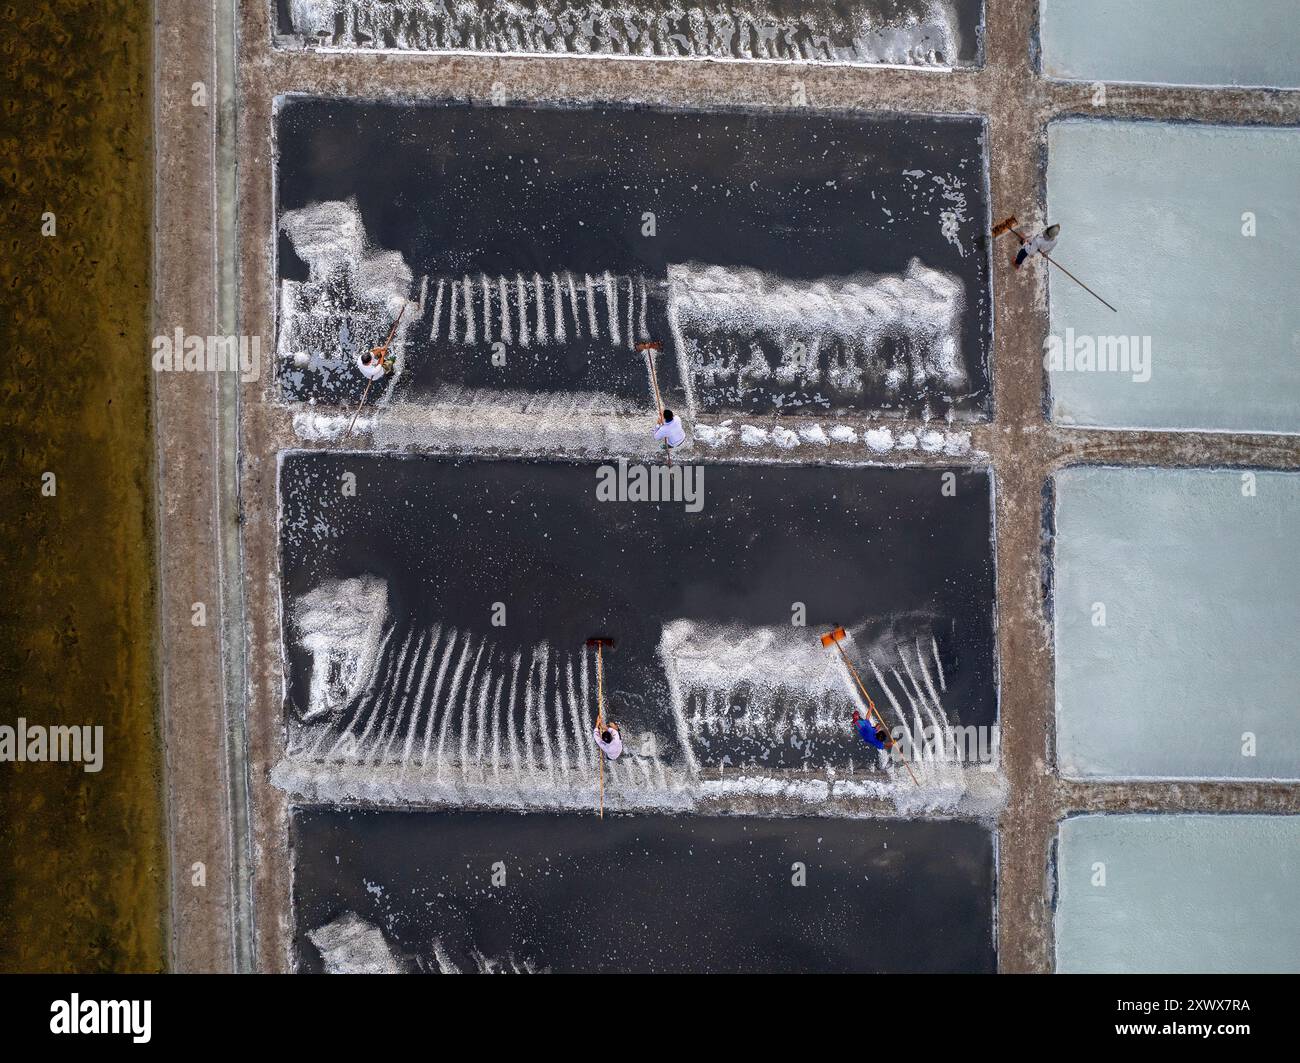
x=350, y=945
x=880, y=440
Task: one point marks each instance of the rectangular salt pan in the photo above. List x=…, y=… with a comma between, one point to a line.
x=909, y=33
x=524, y=277
x=1191, y=232
x=402, y=682
x=1173, y=42
x=1178, y=894
x=1176, y=602
x=691, y=893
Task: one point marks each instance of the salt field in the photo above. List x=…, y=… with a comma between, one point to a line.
x=501, y=892
x=1178, y=894
x=1176, y=599
x=1191, y=231
x=1041, y=549
x=1172, y=42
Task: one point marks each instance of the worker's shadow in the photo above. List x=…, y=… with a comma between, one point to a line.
x=643, y=730
x=627, y=708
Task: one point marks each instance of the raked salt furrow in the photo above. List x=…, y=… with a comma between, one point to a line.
x=489, y=692
x=938, y=663
x=450, y=704
x=537, y=310
x=427, y=671
x=585, y=755
x=462, y=697
x=359, y=745
x=529, y=762
x=389, y=731
x=448, y=646
x=938, y=745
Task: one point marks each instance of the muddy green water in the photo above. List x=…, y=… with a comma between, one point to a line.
x=82, y=865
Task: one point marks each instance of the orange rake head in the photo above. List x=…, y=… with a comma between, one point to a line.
x=652, y=346
x=832, y=637
x=1004, y=226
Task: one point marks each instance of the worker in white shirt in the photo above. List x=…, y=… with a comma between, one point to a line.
x=1040, y=244
x=374, y=363
x=671, y=431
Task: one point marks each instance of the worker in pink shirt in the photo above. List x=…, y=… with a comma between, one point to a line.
x=609, y=740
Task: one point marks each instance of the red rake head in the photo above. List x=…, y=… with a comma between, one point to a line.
x=832, y=637
x=601, y=641
x=1004, y=226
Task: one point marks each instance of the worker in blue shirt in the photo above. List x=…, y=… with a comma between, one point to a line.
x=870, y=734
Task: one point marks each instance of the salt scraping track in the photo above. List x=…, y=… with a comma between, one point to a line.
x=873, y=299
x=440, y=714
x=401, y=686
x=740, y=337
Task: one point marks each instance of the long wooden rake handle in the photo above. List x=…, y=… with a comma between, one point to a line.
x=1077, y=281
x=357, y=412
x=393, y=331
x=600, y=720
x=659, y=402
x=654, y=381
x=875, y=712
